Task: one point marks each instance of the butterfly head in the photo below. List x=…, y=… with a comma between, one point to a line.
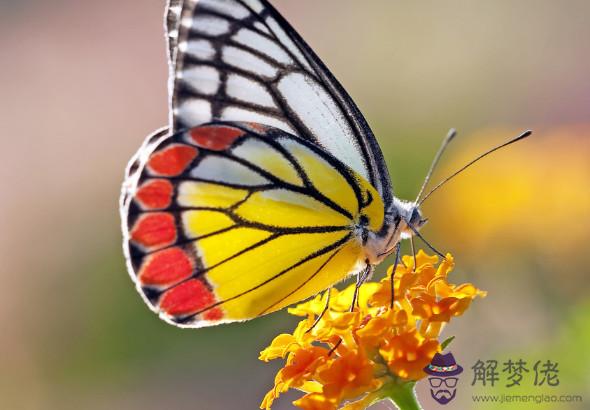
x=411, y=219
x=402, y=220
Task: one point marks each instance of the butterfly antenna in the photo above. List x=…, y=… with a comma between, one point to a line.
x=450, y=136
x=485, y=154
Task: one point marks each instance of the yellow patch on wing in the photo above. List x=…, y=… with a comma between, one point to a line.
x=256, y=280
x=324, y=177
x=343, y=261
x=208, y=195
x=200, y=223
x=281, y=207
x=218, y=248
x=264, y=156
x=375, y=210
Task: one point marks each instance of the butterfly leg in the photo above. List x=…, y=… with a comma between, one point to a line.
x=413, y=252
x=397, y=250
x=315, y=323
x=336, y=346
x=360, y=279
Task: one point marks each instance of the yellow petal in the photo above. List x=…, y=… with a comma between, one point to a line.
x=278, y=348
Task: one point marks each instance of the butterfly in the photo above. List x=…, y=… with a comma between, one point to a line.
x=266, y=187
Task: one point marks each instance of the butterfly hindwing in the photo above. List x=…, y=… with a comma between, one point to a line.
x=240, y=60
x=230, y=221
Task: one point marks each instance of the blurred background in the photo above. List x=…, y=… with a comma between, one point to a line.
x=84, y=82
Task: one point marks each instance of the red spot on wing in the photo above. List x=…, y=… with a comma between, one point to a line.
x=172, y=160
x=187, y=298
x=166, y=268
x=157, y=229
x=254, y=126
x=213, y=315
x=215, y=137
x=155, y=194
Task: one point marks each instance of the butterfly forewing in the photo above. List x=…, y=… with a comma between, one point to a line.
x=230, y=221
x=240, y=60
x=172, y=22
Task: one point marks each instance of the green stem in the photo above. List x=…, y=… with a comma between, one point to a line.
x=402, y=395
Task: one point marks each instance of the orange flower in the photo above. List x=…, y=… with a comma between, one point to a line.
x=284, y=344
x=302, y=363
x=315, y=401
x=429, y=308
x=376, y=328
x=374, y=351
x=408, y=353
x=347, y=376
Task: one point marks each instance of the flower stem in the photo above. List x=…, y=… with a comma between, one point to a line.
x=402, y=395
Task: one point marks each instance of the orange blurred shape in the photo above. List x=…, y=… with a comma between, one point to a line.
x=532, y=196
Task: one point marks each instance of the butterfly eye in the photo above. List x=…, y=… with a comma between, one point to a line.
x=416, y=217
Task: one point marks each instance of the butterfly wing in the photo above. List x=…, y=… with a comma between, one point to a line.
x=230, y=221
x=240, y=60
x=171, y=23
